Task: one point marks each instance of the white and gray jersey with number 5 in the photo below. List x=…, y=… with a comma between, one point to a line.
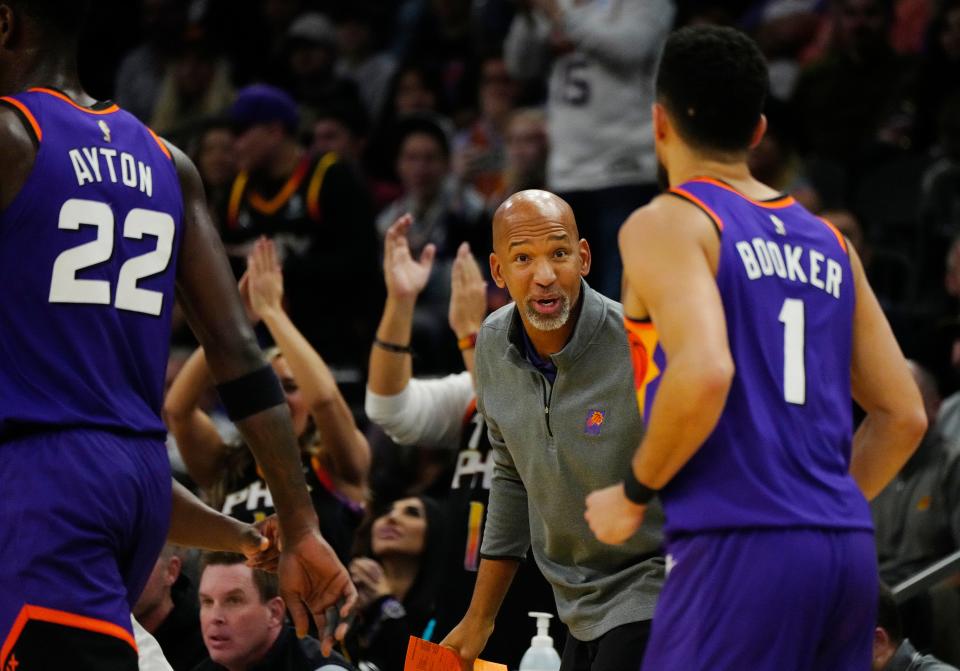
x=601, y=92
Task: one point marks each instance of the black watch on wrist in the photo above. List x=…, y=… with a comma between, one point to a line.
x=636, y=491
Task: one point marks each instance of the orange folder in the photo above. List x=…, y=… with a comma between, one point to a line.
x=424, y=656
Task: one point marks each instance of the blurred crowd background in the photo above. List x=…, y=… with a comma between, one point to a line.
x=317, y=123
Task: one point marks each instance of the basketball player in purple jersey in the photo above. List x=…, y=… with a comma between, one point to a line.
x=750, y=324
x=100, y=222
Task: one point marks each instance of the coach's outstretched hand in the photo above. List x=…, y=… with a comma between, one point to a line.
x=612, y=517
x=468, y=639
x=312, y=580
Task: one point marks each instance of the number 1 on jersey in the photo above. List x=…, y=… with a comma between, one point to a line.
x=794, y=370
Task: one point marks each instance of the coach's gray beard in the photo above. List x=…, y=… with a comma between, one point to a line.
x=551, y=323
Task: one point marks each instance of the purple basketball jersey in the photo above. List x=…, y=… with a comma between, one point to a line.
x=780, y=453
x=87, y=261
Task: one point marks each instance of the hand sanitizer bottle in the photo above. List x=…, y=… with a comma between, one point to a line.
x=541, y=656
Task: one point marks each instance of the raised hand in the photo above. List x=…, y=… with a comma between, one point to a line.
x=405, y=276
x=312, y=580
x=371, y=583
x=264, y=278
x=468, y=294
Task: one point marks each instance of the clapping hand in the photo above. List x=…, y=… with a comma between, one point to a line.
x=468, y=294
x=406, y=277
x=261, y=286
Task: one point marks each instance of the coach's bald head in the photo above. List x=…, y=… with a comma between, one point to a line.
x=532, y=210
x=539, y=257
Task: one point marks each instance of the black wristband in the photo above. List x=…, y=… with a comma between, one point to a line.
x=636, y=491
x=393, y=347
x=251, y=393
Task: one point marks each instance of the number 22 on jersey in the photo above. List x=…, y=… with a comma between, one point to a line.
x=66, y=287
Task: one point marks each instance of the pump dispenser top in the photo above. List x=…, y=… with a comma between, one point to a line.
x=541, y=655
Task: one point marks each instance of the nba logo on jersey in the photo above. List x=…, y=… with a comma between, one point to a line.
x=594, y=422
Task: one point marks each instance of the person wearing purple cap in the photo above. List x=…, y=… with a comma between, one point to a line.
x=317, y=211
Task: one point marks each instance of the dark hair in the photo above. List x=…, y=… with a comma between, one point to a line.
x=63, y=18
x=350, y=115
x=422, y=124
x=423, y=593
x=888, y=616
x=713, y=82
x=266, y=583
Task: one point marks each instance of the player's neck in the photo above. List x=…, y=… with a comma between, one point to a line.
x=736, y=173
x=53, y=71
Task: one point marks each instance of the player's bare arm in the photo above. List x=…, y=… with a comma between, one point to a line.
x=200, y=445
x=195, y=524
x=885, y=389
x=310, y=574
x=670, y=251
x=470, y=636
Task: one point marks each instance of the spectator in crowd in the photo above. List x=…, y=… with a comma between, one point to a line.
x=335, y=454
x=399, y=577
x=602, y=58
x=562, y=417
x=362, y=61
x=917, y=518
x=527, y=149
x=856, y=93
x=892, y=651
x=784, y=30
x=479, y=151
x=167, y=608
x=242, y=620
x=214, y=156
x=317, y=212
x=445, y=213
x=442, y=413
x=141, y=71
x=311, y=57
x=416, y=89
x=939, y=73
x=437, y=31
x=196, y=85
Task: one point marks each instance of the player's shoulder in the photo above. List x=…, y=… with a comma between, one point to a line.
x=18, y=149
x=665, y=217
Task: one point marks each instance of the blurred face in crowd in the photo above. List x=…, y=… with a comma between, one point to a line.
x=194, y=73
x=354, y=38
x=216, y=160
x=497, y=90
x=402, y=530
x=156, y=593
x=422, y=166
x=299, y=412
x=311, y=61
x=413, y=94
x=539, y=257
x=238, y=627
x=256, y=145
x=330, y=134
x=527, y=143
x=862, y=25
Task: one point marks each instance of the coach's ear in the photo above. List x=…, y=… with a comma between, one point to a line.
x=496, y=271
x=759, y=131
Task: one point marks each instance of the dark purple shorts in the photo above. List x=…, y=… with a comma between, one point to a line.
x=766, y=600
x=83, y=517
